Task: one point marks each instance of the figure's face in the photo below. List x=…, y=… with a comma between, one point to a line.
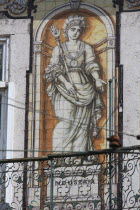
x=74, y=32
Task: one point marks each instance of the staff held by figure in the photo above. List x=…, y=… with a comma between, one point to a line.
x=56, y=33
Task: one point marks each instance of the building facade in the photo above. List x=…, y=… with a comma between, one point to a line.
x=35, y=117
x=69, y=78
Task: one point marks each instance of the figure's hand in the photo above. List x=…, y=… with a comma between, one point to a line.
x=55, y=32
x=70, y=88
x=100, y=85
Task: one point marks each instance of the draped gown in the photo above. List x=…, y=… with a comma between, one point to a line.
x=74, y=114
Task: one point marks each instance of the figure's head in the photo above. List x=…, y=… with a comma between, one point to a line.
x=73, y=26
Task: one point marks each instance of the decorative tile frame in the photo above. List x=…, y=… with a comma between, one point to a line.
x=133, y=3
x=16, y=7
x=37, y=55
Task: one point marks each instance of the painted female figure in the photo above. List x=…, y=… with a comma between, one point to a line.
x=75, y=87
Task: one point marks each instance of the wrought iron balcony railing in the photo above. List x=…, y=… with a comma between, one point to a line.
x=103, y=180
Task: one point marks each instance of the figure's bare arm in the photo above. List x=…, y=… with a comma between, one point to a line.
x=70, y=88
x=62, y=79
x=95, y=75
x=99, y=82
x=93, y=68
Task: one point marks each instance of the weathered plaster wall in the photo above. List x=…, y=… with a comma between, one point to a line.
x=130, y=59
x=18, y=32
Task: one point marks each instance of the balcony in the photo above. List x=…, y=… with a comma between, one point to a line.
x=100, y=180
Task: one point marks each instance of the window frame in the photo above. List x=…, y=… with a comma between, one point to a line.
x=4, y=95
x=3, y=119
x=5, y=60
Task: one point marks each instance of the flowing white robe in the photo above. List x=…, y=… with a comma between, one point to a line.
x=72, y=132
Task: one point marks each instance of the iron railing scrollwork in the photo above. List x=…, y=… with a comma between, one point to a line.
x=77, y=181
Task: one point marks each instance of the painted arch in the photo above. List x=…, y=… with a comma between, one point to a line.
x=99, y=33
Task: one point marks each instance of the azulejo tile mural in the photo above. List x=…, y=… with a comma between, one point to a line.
x=74, y=64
